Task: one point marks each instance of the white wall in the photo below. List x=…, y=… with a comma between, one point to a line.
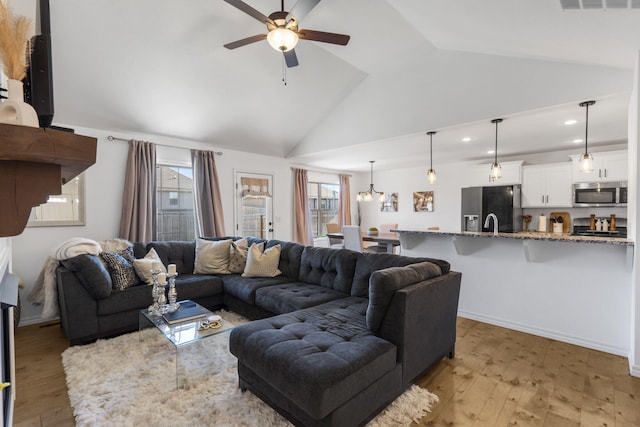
x=104, y=183
x=634, y=196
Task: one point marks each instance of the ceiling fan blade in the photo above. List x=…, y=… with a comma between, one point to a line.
x=291, y=58
x=301, y=9
x=250, y=11
x=244, y=42
x=321, y=36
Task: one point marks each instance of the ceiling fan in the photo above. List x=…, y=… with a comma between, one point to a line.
x=283, y=32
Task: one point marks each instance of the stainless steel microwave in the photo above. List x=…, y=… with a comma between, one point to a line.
x=600, y=194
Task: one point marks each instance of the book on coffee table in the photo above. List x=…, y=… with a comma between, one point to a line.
x=188, y=310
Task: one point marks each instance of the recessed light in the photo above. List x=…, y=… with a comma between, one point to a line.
x=570, y=122
x=577, y=141
x=466, y=139
x=490, y=152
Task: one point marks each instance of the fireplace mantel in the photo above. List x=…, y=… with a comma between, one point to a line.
x=34, y=164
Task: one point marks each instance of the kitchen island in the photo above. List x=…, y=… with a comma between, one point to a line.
x=575, y=289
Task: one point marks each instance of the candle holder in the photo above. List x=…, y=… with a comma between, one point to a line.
x=173, y=294
x=154, y=308
x=161, y=298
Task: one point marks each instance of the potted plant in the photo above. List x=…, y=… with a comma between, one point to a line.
x=373, y=231
x=527, y=220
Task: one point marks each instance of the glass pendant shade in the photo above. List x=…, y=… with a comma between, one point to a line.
x=586, y=161
x=431, y=176
x=282, y=39
x=496, y=171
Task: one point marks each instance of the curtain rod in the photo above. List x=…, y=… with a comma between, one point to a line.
x=113, y=138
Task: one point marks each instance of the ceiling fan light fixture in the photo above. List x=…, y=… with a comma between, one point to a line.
x=282, y=39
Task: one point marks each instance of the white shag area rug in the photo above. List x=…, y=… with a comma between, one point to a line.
x=129, y=381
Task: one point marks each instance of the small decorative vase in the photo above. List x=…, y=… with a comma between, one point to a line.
x=526, y=227
x=14, y=111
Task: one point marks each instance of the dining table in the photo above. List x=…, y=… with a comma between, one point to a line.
x=391, y=240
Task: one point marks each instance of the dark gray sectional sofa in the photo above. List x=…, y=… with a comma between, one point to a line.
x=337, y=337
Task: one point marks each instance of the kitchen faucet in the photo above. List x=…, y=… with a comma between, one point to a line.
x=495, y=223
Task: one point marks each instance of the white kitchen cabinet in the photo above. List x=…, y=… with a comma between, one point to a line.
x=546, y=185
x=607, y=166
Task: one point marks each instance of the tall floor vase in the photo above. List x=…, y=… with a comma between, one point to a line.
x=14, y=110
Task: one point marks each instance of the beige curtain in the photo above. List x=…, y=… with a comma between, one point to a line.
x=344, y=213
x=138, y=218
x=206, y=195
x=301, y=213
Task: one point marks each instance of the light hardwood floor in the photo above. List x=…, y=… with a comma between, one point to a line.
x=499, y=377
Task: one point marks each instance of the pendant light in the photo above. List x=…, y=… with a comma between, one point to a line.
x=431, y=173
x=367, y=196
x=586, y=161
x=496, y=169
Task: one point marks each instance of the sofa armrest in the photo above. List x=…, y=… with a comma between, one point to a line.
x=78, y=309
x=421, y=322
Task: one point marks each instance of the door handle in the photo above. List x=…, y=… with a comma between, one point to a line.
x=605, y=173
x=542, y=199
x=547, y=198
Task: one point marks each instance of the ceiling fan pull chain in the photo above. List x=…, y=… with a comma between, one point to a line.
x=284, y=71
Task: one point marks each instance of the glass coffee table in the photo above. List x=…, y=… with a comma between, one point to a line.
x=199, y=350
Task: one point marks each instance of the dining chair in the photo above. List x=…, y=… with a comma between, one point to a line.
x=334, y=243
x=353, y=239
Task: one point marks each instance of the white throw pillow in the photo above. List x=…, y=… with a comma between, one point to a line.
x=238, y=253
x=262, y=264
x=212, y=257
x=143, y=266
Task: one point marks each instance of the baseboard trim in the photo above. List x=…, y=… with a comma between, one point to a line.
x=26, y=321
x=635, y=371
x=594, y=345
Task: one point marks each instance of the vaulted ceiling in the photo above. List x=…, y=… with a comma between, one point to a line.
x=159, y=67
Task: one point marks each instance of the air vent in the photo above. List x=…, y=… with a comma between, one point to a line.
x=599, y=4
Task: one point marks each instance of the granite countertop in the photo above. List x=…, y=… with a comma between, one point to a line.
x=527, y=235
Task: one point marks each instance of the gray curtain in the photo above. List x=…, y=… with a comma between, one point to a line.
x=344, y=213
x=138, y=218
x=206, y=195
x=301, y=213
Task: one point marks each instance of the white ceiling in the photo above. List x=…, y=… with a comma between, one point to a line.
x=158, y=67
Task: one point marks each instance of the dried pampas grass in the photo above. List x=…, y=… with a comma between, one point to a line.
x=13, y=43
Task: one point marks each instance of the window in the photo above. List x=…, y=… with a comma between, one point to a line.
x=174, y=203
x=324, y=199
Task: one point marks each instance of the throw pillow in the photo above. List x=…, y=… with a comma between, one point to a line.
x=212, y=257
x=143, y=266
x=262, y=264
x=121, y=270
x=238, y=256
x=91, y=273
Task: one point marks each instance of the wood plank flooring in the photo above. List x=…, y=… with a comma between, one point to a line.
x=499, y=377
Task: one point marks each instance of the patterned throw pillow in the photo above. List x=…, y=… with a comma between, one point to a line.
x=262, y=264
x=143, y=266
x=121, y=270
x=238, y=256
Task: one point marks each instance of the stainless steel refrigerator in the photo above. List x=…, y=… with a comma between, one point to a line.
x=503, y=201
